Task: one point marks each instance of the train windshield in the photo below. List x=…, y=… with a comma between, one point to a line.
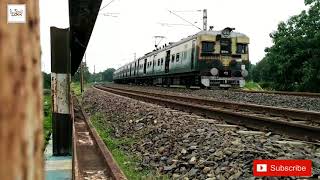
x=225, y=46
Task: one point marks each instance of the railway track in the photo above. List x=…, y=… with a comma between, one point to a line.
x=287, y=93
x=306, y=94
x=91, y=158
x=299, y=124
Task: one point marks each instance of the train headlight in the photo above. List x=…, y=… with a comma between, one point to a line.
x=239, y=60
x=226, y=32
x=244, y=73
x=214, y=71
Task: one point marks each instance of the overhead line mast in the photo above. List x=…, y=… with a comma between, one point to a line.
x=205, y=24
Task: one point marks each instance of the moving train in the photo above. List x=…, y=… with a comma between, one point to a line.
x=206, y=59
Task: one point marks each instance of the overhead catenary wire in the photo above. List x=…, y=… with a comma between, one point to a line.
x=106, y=5
x=168, y=24
x=184, y=20
x=187, y=11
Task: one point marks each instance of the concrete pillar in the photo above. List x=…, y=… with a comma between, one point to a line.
x=21, y=114
x=60, y=87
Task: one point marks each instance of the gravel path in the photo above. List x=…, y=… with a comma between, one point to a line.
x=298, y=102
x=187, y=146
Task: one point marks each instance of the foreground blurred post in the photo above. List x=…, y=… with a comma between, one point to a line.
x=60, y=86
x=21, y=137
x=81, y=77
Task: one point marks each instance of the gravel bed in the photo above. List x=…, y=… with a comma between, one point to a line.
x=297, y=102
x=186, y=146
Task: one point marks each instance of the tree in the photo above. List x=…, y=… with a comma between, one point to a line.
x=107, y=75
x=46, y=80
x=86, y=74
x=293, y=62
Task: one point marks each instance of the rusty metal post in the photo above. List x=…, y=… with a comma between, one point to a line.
x=60, y=87
x=21, y=114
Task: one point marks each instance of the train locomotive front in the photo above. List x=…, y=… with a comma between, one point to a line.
x=223, y=59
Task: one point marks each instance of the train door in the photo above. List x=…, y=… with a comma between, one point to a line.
x=192, y=53
x=135, y=67
x=145, y=66
x=153, y=62
x=138, y=67
x=167, y=62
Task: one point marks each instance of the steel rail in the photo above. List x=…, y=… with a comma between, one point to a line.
x=288, y=93
x=291, y=129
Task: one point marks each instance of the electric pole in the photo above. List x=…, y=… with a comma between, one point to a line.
x=205, y=19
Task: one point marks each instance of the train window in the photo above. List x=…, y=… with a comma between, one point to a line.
x=225, y=46
x=172, y=58
x=177, y=57
x=161, y=61
x=207, y=47
x=242, y=48
x=158, y=62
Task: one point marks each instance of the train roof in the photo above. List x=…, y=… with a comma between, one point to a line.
x=232, y=34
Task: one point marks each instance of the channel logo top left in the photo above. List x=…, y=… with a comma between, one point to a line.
x=16, y=13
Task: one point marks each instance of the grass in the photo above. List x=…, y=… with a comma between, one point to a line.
x=252, y=86
x=47, y=119
x=75, y=87
x=126, y=161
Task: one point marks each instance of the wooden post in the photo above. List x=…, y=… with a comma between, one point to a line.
x=60, y=88
x=21, y=112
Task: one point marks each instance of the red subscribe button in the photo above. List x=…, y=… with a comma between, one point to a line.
x=282, y=167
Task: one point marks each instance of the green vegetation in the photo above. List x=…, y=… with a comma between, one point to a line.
x=75, y=87
x=252, y=86
x=293, y=62
x=127, y=162
x=105, y=76
x=46, y=80
x=47, y=119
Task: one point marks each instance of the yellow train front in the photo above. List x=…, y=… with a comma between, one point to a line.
x=223, y=59
x=206, y=59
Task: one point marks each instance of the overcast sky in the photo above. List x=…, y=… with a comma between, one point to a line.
x=115, y=39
